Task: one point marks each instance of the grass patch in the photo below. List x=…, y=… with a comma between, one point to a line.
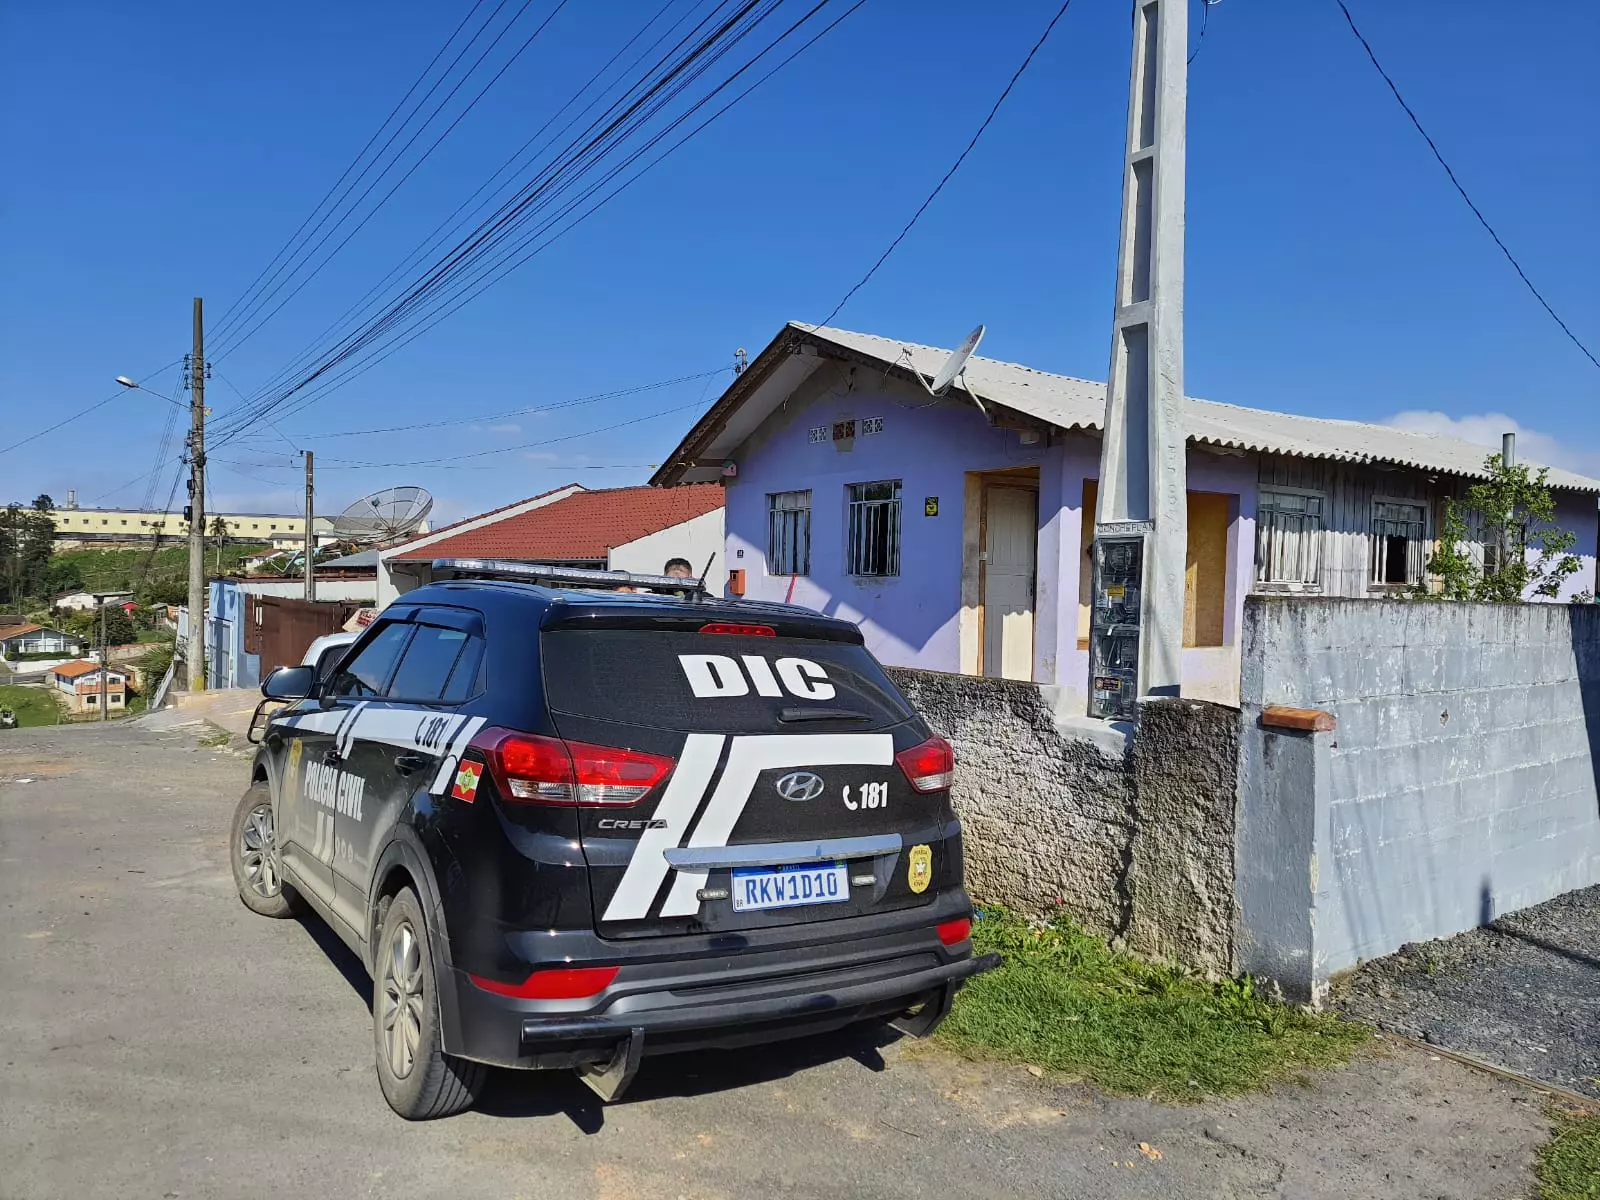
x=33, y=705
x=1569, y=1163
x=1065, y=1002
x=220, y=738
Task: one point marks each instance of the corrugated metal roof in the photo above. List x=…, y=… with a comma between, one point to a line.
x=1070, y=403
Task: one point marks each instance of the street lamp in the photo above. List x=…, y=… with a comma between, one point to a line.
x=139, y=387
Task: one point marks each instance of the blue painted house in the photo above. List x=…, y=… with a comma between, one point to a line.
x=956, y=531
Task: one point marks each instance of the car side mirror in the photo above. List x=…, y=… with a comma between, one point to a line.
x=289, y=683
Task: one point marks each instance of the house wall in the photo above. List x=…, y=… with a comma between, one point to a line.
x=926, y=617
x=913, y=619
x=360, y=591
x=698, y=539
x=227, y=663
x=916, y=620
x=1459, y=783
x=1349, y=491
x=41, y=641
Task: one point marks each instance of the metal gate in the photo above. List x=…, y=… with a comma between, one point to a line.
x=280, y=630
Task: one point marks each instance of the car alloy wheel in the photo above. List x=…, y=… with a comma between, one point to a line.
x=401, y=998
x=258, y=851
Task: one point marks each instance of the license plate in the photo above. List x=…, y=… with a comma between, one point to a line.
x=789, y=887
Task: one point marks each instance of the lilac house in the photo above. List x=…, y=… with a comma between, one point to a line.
x=956, y=531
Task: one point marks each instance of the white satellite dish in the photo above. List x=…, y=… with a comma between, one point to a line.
x=954, y=368
x=956, y=363
x=383, y=516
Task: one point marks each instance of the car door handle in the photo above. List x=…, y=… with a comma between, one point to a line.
x=330, y=758
x=407, y=763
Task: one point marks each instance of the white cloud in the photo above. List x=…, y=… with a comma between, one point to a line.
x=1484, y=429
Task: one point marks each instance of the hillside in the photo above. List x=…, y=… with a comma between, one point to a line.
x=124, y=570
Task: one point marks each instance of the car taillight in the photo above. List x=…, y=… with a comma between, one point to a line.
x=745, y=630
x=556, y=983
x=953, y=933
x=545, y=770
x=931, y=767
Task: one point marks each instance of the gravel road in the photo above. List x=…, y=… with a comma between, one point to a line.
x=161, y=1041
x=1522, y=992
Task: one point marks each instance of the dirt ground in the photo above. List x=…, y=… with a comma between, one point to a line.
x=160, y=1040
x=1522, y=992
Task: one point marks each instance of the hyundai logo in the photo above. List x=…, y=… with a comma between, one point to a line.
x=799, y=785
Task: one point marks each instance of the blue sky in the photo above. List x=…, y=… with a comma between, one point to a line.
x=158, y=151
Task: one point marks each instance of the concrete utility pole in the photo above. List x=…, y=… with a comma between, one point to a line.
x=194, y=653
x=311, y=537
x=1141, y=527
x=105, y=658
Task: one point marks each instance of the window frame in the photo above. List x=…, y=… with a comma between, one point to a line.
x=859, y=510
x=798, y=560
x=1263, y=562
x=1377, y=544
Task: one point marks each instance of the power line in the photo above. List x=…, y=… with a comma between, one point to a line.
x=95, y=407
x=577, y=159
x=954, y=167
x=433, y=240
x=491, y=233
x=516, y=412
x=1461, y=191
x=455, y=461
x=264, y=279
x=426, y=154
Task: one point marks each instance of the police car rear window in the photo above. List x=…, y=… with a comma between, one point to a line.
x=717, y=682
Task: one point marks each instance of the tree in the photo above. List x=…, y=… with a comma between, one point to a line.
x=27, y=538
x=1524, y=552
x=119, y=630
x=219, y=531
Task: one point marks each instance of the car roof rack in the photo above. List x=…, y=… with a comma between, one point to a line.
x=545, y=575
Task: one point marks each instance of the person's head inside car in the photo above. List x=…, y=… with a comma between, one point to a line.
x=678, y=568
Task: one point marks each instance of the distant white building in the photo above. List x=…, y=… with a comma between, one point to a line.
x=84, y=601
x=27, y=638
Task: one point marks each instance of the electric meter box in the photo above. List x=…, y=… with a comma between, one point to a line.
x=1114, y=627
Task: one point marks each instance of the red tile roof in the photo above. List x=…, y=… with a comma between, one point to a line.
x=584, y=525
x=7, y=632
x=79, y=667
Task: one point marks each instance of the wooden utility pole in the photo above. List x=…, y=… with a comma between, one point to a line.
x=311, y=536
x=194, y=653
x=1141, y=527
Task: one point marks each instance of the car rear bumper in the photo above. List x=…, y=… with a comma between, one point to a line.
x=698, y=993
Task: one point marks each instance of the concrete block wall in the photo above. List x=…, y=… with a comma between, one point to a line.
x=1459, y=783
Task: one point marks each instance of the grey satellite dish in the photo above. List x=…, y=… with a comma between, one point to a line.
x=955, y=367
x=383, y=516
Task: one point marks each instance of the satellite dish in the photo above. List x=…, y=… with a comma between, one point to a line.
x=383, y=516
x=956, y=363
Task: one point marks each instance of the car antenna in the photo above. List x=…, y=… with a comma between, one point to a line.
x=702, y=584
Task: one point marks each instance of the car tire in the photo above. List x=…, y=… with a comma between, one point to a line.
x=255, y=857
x=419, y=1080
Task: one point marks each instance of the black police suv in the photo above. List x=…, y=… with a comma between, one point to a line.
x=564, y=826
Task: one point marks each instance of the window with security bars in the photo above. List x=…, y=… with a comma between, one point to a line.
x=789, y=533
x=1399, y=545
x=874, y=545
x=1289, y=538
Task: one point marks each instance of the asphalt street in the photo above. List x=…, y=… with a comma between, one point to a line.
x=161, y=1041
